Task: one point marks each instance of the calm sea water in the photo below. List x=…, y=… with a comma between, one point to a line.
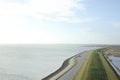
x=34, y=62
x=115, y=61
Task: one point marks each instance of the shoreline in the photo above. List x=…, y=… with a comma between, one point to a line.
x=66, y=66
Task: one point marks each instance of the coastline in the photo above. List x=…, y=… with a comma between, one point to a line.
x=68, y=73
x=67, y=64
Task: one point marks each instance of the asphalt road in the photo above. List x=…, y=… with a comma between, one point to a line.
x=71, y=64
x=72, y=72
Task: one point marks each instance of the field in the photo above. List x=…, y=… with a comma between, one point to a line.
x=115, y=51
x=96, y=68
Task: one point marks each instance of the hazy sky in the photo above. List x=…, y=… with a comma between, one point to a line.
x=60, y=21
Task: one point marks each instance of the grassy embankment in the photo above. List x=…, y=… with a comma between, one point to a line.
x=96, y=68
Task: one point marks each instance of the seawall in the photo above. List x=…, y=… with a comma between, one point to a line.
x=65, y=64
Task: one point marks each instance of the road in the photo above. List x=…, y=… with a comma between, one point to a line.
x=71, y=73
x=71, y=64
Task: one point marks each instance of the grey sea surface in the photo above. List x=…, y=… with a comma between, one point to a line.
x=34, y=62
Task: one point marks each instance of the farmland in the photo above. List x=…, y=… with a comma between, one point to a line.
x=114, y=51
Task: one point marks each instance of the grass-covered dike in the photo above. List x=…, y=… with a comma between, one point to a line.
x=96, y=68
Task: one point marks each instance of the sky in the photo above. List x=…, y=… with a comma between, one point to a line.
x=59, y=21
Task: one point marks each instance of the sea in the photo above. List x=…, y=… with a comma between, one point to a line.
x=35, y=61
x=116, y=61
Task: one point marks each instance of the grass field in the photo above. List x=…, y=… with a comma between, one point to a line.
x=110, y=73
x=96, y=68
x=115, y=51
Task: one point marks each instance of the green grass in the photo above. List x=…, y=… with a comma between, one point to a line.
x=95, y=68
x=110, y=73
x=81, y=71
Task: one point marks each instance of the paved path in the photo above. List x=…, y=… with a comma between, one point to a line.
x=71, y=73
x=71, y=64
x=68, y=69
